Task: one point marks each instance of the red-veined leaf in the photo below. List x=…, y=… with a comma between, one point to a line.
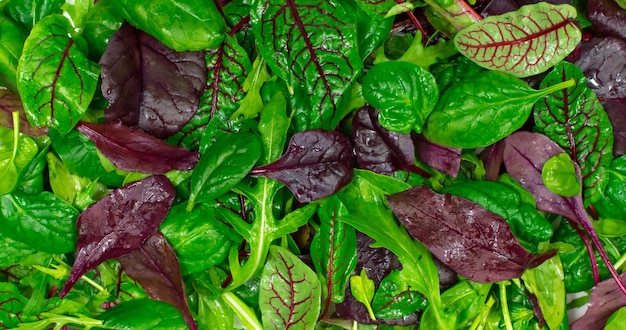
x=9, y=103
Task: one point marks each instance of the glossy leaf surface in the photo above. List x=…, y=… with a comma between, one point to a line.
x=316, y=164
x=16, y=152
x=29, y=13
x=559, y=176
x=613, y=204
x=51, y=52
x=312, y=46
x=149, y=85
x=523, y=43
x=119, y=223
x=290, y=292
x=602, y=60
x=139, y=314
x=12, y=38
x=394, y=299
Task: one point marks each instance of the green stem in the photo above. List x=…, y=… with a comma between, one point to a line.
x=505, y=307
x=480, y=320
x=559, y=86
x=244, y=312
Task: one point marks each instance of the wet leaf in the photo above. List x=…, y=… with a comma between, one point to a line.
x=524, y=42
x=604, y=61
x=29, y=13
x=605, y=299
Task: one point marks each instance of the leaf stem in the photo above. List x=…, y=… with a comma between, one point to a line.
x=244, y=312
x=505, y=306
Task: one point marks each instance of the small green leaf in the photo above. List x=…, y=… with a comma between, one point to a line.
x=290, y=292
x=403, y=92
x=140, y=314
x=273, y=126
x=546, y=283
x=16, y=152
x=394, y=299
x=559, y=175
x=613, y=202
x=362, y=288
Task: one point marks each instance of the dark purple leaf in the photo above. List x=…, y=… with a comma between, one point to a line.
x=156, y=268
x=316, y=165
x=525, y=154
x=492, y=158
x=607, y=17
x=119, y=223
x=378, y=149
x=133, y=150
x=616, y=110
x=9, y=103
x=149, y=85
x=604, y=64
x=474, y=242
x=441, y=158
x=605, y=299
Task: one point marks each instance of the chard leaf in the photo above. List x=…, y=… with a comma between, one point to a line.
x=481, y=110
x=576, y=121
x=559, y=176
x=155, y=266
x=474, y=242
x=135, y=151
x=404, y=93
x=149, y=85
x=185, y=25
x=9, y=103
x=290, y=292
x=44, y=222
x=228, y=65
x=16, y=152
x=139, y=314
x=378, y=149
x=222, y=166
x=333, y=250
x=13, y=303
x=523, y=43
x=56, y=81
x=119, y=223
x=394, y=299
x=316, y=165
x=313, y=47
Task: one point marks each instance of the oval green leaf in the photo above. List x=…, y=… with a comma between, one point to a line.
x=140, y=314
x=524, y=42
x=559, y=175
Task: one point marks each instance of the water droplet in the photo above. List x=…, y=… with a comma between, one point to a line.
x=594, y=81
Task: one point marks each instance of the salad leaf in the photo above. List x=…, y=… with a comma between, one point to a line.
x=362, y=288
x=608, y=17
x=101, y=22
x=394, y=299
x=441, y=158
x=16, y=152
x=9, y=103
x=12, y=38
x=30, y=13
x=50, y=52
x=149, y=85
x=612, y=205
x=523, y=43
x=605, y=298
x=559, y=176
x=139, y=313
x=602, y=60
x=546, y=283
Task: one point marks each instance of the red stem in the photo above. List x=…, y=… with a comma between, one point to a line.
x=589, y=246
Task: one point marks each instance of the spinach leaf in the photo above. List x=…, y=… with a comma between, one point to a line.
x=29, y=13
x=100, y=24
x=139, y=313
x=16, y=153
x=12, y=38
x=559, y=176
x=612, y=203
x=545, y=282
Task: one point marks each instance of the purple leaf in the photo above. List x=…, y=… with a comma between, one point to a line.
x=607, y=17
x=149, y=85
x=378, y=149
x=525, y=154
x=133, y=150
x=616, y=110
x=316, y=165
x=474, y=242
x=604, y=63
x=492, y=158
x=605, y=299
x=9, y=103
x=441, y=158
x=119, y=223
x=156, y=268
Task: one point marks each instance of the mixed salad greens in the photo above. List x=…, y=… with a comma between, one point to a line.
x=336, y=164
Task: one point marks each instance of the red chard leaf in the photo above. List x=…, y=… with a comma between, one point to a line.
x=474, y=242
x=133, y=150
x=441, y=158
x=119, y=224
x=605, y=299
x=149, y=85
x=316, y=165
x=10, y=102
x=156, y=268
x=378, y=149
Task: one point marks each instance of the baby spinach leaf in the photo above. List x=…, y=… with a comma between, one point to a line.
x=155, y=266
x=378, y=149
x=133, y=150
x=56, y=81
x=12, y=38
x=45, y=222
x=16, y=152
x=613, y=203
x=546, y=283
x=119, y=223
x=559, y=176
x=394, y=299
x=76, y=190
x=312, y=46
x=100, y=24
x=290, y=292
x=474, y=242
x=574, y=117
x=480, y=111
x=316, y=165
x=149, y=85
x=523, y=43
x=404, y=93
x=139, y=314
x=29, y=13
x=375, y=7
x=190, y=25
x=12, y=252
x=222, y=166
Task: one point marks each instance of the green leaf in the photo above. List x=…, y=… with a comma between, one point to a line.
x=55, y=79
x=12, y=251
x=523, y=43
x=198, y=238
x=545, y=282
x=100, y=24
x=466, y=300
x=45, y=222
x=403, y=92
x=183, y=25
x=617, y=321
x=12, y=303
x=576, y=121
x=333, y=249
x=559, y=175
x=290, y=292
x=362, y=288
x=394, y=299
x=273, y=127
x=16, y=153
x=72, y=188
x=424, y=56
x=312, y=46
x=140, y=314
x=607, y=227
x=375, y=7
x=481, y=110
x=613, y=202
x=12, y=38
x=222, y=166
